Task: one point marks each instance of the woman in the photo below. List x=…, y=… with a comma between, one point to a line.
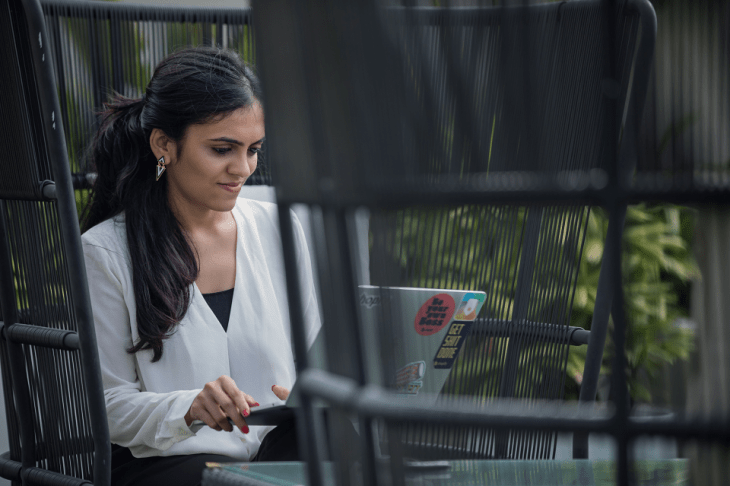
x=186, y=279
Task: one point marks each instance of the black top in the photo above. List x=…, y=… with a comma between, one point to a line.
x=220, y=304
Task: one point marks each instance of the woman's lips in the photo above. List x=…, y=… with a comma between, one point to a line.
x=231, y=187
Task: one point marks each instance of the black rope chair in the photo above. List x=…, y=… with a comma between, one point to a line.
x=50, y=368
x=102, y=48
x=478, y=139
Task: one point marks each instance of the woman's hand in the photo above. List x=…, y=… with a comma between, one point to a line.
x=220, y=400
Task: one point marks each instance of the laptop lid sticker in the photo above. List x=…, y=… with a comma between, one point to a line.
x=434, y=314
x=469, y=307
x=451, y=345
x=408, y=379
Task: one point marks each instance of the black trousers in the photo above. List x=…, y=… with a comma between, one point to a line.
x=279, y=445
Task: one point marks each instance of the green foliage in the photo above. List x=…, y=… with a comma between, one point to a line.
x=83, y=199
x=438, y=248
x=657, y=263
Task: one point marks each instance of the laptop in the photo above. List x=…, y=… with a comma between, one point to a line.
x=415, y=336
x=412, y=339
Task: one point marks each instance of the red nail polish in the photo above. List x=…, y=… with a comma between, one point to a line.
x=256, y=404
x=245, y=429
x=272, y=387
x=245, y=413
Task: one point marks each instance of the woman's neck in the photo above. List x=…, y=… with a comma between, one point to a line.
x=200, y=220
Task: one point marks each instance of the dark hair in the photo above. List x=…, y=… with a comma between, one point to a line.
x=192, y=86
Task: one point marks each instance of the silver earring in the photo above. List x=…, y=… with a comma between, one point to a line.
x=160, y=167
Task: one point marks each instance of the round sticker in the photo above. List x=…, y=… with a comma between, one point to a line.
x=434, y=314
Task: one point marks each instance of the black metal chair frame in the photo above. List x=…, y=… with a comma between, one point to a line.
x=28, y=58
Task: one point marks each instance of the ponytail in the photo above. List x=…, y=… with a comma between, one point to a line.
x=119, y=142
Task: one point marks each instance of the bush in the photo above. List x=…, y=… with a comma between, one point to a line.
x=657, y=268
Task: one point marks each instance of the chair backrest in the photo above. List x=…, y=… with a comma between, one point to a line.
x=51, y=377
x=102, y=48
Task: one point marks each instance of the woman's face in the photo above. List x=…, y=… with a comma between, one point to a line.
x=210, y=164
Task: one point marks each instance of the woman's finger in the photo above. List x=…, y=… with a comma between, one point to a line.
x=218, y=404
x=239, y=404
x=202, y=414
x=280, y=392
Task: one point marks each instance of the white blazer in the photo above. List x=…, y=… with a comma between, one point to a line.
x=146, y=402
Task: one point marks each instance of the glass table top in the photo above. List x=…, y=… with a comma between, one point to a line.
x=469, y=472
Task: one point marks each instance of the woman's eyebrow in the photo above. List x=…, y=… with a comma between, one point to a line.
x=226, y=139
x=231, y=140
